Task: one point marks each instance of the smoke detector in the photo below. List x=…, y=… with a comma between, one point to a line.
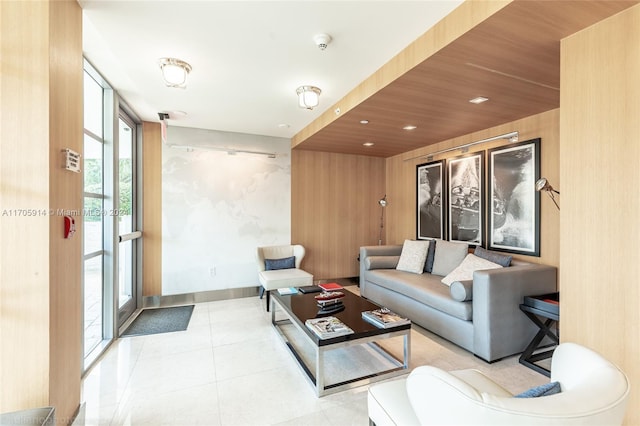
x=322, y=40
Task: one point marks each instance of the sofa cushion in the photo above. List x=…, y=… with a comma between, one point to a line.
x=428, y=265
x=465, y=270
x=413, y=256
x=461, y=291
x=284, y=263
x=280, y=278
x=448, y=255
x=424, y=288
x=492, y=256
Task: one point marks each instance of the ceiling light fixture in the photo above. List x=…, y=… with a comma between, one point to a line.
x=174, y=72
x=368, y=144
x=478, y=100
x=364, y=121
x=410, y=127
x=308, y=96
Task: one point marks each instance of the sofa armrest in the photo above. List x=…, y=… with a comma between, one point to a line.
x=370, y=251
x=438, y=397
x=500, y=328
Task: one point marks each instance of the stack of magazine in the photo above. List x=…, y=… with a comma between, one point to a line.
x=384, y=318
x=328, y=327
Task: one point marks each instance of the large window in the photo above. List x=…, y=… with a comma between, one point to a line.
x=110, y=237
x=94, y=206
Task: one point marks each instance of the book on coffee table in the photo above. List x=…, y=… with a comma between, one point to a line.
x=384, y=318
x=310, y=289
x=323, y=303
x=330, y=286
x=288, y=290
x=328, y=327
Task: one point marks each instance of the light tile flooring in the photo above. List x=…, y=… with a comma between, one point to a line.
x=230, y=367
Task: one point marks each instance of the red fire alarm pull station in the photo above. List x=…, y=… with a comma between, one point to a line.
x=69, y=226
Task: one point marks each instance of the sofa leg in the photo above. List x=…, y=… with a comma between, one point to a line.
x=268, y=299
x=261, y=292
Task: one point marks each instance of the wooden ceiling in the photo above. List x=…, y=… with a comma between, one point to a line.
x=512, y=58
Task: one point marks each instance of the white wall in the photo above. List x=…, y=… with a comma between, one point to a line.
x=217, y=208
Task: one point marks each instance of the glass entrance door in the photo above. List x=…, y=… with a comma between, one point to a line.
x=128, y=233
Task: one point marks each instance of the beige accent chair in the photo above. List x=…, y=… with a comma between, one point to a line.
x=281, y=278
x=594, y=392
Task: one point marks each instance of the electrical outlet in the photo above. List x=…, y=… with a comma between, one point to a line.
x=212, y=271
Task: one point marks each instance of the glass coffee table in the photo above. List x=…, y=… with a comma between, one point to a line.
x=299, y=307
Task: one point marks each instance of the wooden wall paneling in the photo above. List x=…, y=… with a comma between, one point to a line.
x=40, y=309
x=334, y=209
x=151, y=209
x=66, y=193
x=24, y=241
x=599, y=128
x=401, y=179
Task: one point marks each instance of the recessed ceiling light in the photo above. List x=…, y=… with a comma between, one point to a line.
x=284, y=126
x=410, y=127
x=364, y=121
x=368, y=144
x=478, y=100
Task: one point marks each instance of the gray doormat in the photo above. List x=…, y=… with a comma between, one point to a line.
x=160, y=320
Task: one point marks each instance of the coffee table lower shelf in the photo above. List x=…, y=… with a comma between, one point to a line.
x=316, y=376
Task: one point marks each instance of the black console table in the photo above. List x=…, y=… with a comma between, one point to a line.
x=541, y=308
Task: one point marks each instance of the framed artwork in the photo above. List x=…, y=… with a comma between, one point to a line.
x=430, y=203
x=465, y=194
x=514, y=207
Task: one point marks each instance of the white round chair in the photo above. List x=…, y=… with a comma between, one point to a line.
x=593, y=392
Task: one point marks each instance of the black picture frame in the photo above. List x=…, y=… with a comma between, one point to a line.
x=430, y=200
x=513, y=209
x=465, y=198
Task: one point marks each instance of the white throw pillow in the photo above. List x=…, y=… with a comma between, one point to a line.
x=465, y=270
x=413, y=256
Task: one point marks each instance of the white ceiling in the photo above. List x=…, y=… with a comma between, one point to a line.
x=248, y=57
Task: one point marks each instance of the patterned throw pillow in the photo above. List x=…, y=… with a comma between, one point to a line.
x=413, y=256
x=465, y=270
x=284, y=263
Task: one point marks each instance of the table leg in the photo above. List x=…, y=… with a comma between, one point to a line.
x=407, y=349
x=528, y=358
x=319, y=371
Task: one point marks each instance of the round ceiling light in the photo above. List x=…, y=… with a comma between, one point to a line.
x=308, y=96
x=174, y=72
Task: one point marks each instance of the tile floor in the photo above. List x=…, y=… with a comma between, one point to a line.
x=230, y=367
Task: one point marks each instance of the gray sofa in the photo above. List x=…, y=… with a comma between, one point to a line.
x=490, y=325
